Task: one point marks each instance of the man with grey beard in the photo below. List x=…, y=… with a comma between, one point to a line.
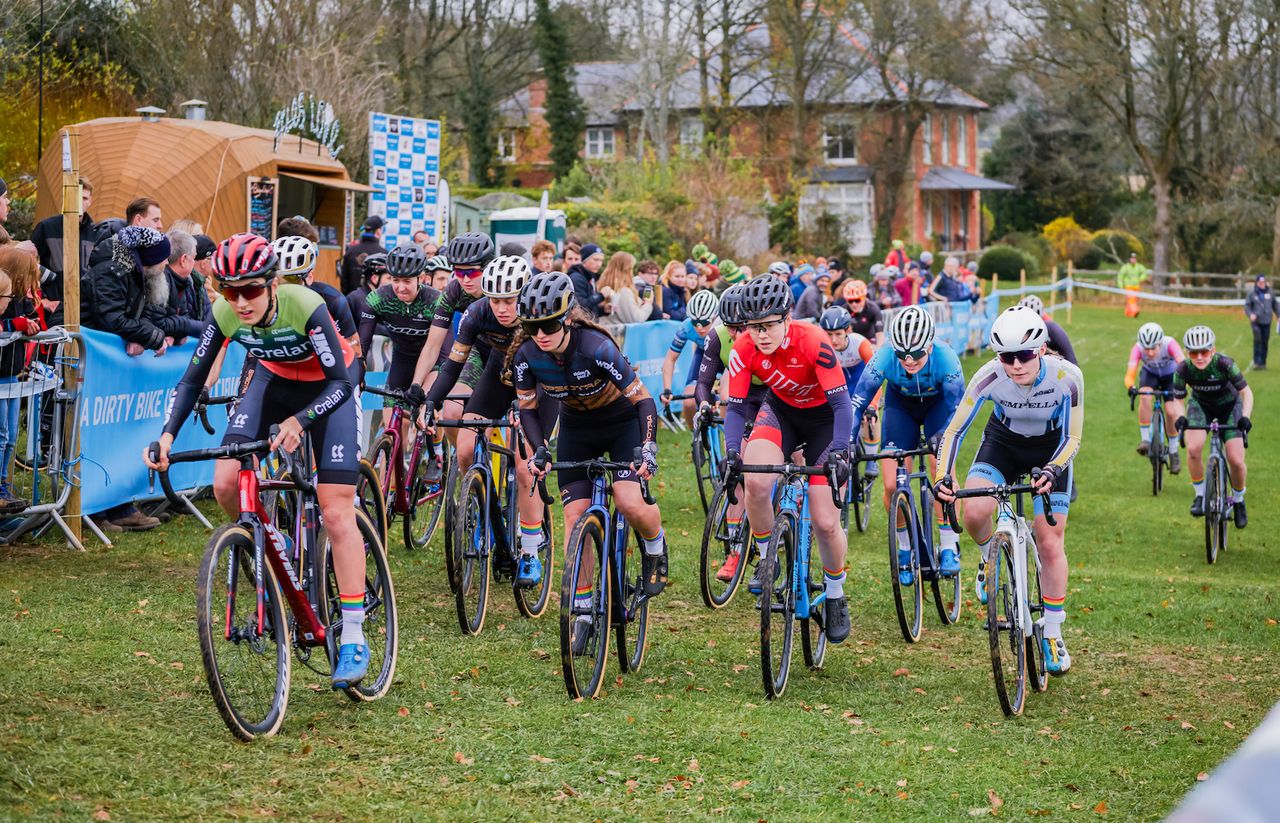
x=128, y=294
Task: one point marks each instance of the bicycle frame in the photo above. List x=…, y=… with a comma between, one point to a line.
x=788, y=506
x=904, y=481
x=1011, y=523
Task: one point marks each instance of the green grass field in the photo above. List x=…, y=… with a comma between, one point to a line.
x=106, y=715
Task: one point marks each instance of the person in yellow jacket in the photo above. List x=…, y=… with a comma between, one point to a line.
x=1130, y=278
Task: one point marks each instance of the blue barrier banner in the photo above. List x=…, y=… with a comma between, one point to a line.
x=646, y=346
x=122, y=409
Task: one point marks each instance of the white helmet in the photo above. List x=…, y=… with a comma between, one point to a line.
x=1150, y=335
x=892, y=272
x=703, y=306
x=911, y=330
x=1032, y=302
x=875, y=269
x=1018, y=328
x=1198, y=338
x=780, y=269
x=504, y=276
x=926, y=257
x=296, y=256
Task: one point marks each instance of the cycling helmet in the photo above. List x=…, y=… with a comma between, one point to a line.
x=926, y=257
x=1018, y=328
x=1150, y=335
x=546, y=296
x=875, y=270
x=438, y=263
x=855, y=290
x=505, y=276
x=780, y=269
x=1032, y=302
x=892, y=272
x=295, y=256
x=406, y=260
x=1198, y=338
x=911, y=330
x=470, y=250
x=242, y=257
x=731, y=306
x=764, y=296
x=374, y=264
x=703, y=306
x=835, y=318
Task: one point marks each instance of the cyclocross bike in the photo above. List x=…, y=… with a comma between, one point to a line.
x=614, y=577
x=858, y=496
x=1158, y=450
x=1217, y=489
x=403, y=482
x=246, y=635
x=1015, y=633
x=719, y=541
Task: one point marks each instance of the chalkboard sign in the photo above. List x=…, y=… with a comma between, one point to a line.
x=262, y=206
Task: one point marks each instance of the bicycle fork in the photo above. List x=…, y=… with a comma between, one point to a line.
x=1019, y=538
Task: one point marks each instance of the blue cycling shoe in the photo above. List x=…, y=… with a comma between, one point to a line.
x=353, y=665
x=529, y=571
x=949, y=563
x=1056, y=659
x=905, y=575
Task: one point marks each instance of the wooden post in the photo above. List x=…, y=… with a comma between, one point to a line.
x=995, y=286
x=1022, y=282
x=72, y=377
x=1053, y=295
x=1071, y=289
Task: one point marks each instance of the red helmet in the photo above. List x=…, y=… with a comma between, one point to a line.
x=244, y=256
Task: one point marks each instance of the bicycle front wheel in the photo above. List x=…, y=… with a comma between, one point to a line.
x=247, y=668
x=1158, y=453
x=427, y=501
x=1004, y=629
x=373, y=487
x=586, y=602
x=533, y=602
x=471, y=539
x=908, y=590
x=720, y=541
x=1035, y=641
x=778, y=607
x=702, y=471
x=452, y=550
x=947, y=591
x=381, y=618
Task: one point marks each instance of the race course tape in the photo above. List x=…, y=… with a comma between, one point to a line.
x=1069, y=283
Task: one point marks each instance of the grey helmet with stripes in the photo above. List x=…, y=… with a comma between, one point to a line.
x=912, y=330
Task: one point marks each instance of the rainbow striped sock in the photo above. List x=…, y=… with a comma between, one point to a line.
x=582, y=597
x=653, y=545
x=762, y=540
x=1054, y=615
x=530, y=537
x=352, y=618
x=834, y=581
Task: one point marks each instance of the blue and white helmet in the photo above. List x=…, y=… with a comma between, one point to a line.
x=703, y=307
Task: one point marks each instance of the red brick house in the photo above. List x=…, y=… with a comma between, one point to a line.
x=944, y=208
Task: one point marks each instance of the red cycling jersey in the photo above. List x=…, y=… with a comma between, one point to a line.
x=800, y=373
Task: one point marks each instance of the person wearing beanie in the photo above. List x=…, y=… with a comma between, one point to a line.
x=813, y=301
x=801, y=279
x=730, y=274
x=353, y=258
x=897, y=256
x=583, y=276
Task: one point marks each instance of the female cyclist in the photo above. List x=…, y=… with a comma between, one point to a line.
x=701, y=312
x=1158, y=355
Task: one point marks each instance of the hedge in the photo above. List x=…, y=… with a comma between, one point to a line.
x=1006, y=261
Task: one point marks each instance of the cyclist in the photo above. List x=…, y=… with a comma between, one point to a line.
x=297, y=256
x=1036, y=422
x=303, y=383
x=1059, y=343
x=868, y=321
x=701, y=312
x=854, y=353
x=924, y=385
x=604, y=409
x=1218, y=392
x=373, y=271
x=1159, y=356
x=438, y=271
x=806, y=406
x=489, y=328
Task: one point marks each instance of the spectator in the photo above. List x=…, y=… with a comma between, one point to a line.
x=617, y=285
x=1130, y=277
x=947, y=287
x=48, y=240
x=191, y=227
x=592, y=260
x=583, y=279
x=910, y=287
x=747, y=273
x=205, y=247
x=780, y=269
x=1262, y=306
x=969, y=276
x=543, y=255
x=187, y=298
x=813, y=301
x=141, y=212
x=926, y=267
x=144, y=212
x=572, y=255
x=674, y=294
x=423, y=240
x=513, y=249
x=19, y=276
x=801, y=279
x=353, y=259
x=897, y=256
x=647, y=278
x=882, y=290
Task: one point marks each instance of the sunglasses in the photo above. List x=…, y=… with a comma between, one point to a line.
x=233, y=293
x=763, y=328
x=547, y=327
x=702, y=324
x=917, y=355
x=1011, y=357
x=1194, y=352
x=467, y=274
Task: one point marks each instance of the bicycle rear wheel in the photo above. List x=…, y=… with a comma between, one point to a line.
x=472, y=538
x=1157, y=454
x=452, y=551
x=633, y=603
x=719, y=541
x=427, y=501
x=813, y=630
x=247, y=669
x=533, y=602
x=947, y=591
x=908, y=598
x=374, y=486
x=778, y=607
x=586, y=569
x=1004, y=634
x=381, y=618
x=862, y=500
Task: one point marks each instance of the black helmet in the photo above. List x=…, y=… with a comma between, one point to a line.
x=374, y=264
x=765, y=295
x=835, y=319
x=406, y=260
x=732, y=305
x=470, y=250
x=546, y=296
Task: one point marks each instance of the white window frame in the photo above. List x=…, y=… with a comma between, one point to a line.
x=945, y=148
x=830, y=124
x=929, y=200
x=853, y=203
x=692, y=133
x=506, y=149
x=962, y=141
x=926, y=140
x=599, y=143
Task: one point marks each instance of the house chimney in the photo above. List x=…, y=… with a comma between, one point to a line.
x=193, y=109
x=150, y=114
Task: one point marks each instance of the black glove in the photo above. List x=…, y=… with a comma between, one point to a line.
x=429, y=412
x=731, y=463
x=934, y=442
x=415, y=395
x=840, y=461
x=1244, y=424
x=649, y=454
x=666, y=396
x=1053, y=472
x=1180, y=425
x=1133, y=391
x=540, y=459
x=945, y=484
x=705, y=411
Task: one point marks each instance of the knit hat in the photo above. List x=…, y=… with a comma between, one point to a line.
x=691, y=267
x=205, y=247
x=147, y=246
x=802, y=270
x=897, y=244
x=4, y=187
x=731, y=272
x=700, y=252
x=591, y=249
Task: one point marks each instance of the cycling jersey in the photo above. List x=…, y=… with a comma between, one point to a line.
x=854, y=357
x=480, y=330
x=940, y=377
x=868, y=321
x=715, y=359
x=1052, y=406
x=453, y=300
x=406, y=324
x=1168, y=354
x=803, y=373
x=1216, y=385
x=300, y=344
x=688, y=332
x=339, y=308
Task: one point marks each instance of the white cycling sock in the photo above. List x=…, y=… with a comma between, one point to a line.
x=653, y=545
x=834, y=584
x=1198, y=488
x=1173, y=444
x=985, y=548
x=947, y=538
x=904, y=540
x=1238, y=495
x=1145, y=432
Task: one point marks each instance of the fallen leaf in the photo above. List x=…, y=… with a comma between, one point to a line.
x=902, y=795
x=981, y=811
x=1203, y=776
x=994, y=799
x=102, y=814
x=511, y=701
x=738, y=785
x=141, y=654
x=404, y=711
x=1228, y=724
x=459, y=757
x=694, y=765
x=1187, y=725
x=901, y=672
x=568, y=789
x=177, y=664
x=739, y=668
x=902, y=784
x=537, y=758
x=1101, y=808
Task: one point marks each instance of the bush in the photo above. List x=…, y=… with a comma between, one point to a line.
x=619, y=227
x=1089, y=258
x=577, y=183
x=1006, y=261
x=1035, y=247
x=1115, y=246
x=1067, y=238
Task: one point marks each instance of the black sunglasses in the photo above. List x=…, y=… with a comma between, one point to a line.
x=1025, y=356
x=914, y=355
x=548, y=327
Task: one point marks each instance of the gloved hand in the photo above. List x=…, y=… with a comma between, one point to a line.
x=648, y=467
x=944, y=489
x=415, y=395
x=1045, y=479
x=1180, y=425
x=539, y=462
x=840, y=461
x=1244, y=424
x=705, y=411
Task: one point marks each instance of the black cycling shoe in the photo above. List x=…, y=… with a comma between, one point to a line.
x=1242, y=517
x=835, y=613
x=433, y=472
x=1197, y=506
x=755, y=585
x=654, y=570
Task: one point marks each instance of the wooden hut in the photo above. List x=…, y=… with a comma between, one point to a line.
x=226, y=177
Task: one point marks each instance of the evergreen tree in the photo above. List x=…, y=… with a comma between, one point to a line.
x=565, y=114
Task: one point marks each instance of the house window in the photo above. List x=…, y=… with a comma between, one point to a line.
x=926, y=140
x=962, y=141
x=506, y=145
x=850, y=203
x=946, y=139
x=839, y=140
x=928, y=214
x=691, y=136
x=600, y=143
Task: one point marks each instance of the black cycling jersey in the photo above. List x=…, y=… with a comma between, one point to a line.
x=1216, y=385
x=339, y=308
x=480, y=330
x=453, y=300
x=407, y=324
x=1060, y=343
x=867, y=322
x=592, y=380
